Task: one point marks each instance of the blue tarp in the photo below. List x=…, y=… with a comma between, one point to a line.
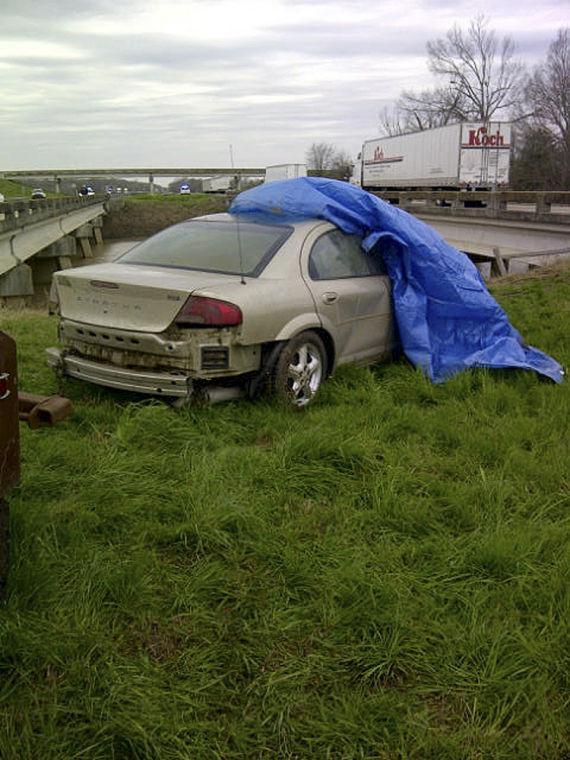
x=447, y=319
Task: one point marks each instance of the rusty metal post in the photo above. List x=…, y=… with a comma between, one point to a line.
x=37, y=411
x=9, y=446
x=9, y=433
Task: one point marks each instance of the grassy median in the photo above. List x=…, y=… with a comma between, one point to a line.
x=139, y=216
x=383, y=576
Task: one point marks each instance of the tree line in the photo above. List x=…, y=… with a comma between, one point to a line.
x=478, y=77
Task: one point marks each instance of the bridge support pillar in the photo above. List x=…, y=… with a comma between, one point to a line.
x=57, y=184
x=151, y=184
x=542, y=205
x=83, y=234
x=499, y=267
x=16, y=284
x=86, y=248
x=97, y=225
x=43, y=269
x=51, y=259
x=64, y=248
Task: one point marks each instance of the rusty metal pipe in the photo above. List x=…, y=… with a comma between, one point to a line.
x=43, y=411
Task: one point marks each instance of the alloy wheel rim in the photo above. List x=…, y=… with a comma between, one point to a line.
x=304, y=374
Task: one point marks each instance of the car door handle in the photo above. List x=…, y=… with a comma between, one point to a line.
x=330, y=297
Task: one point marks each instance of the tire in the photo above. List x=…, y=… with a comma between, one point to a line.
x=4, y=546
x=299, y=370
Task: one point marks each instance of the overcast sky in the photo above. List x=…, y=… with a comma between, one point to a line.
x=116, y=83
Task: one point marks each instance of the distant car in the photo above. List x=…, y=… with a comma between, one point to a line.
x=86, y=190
x=185, y=190
x=38, y=194
x=217, y=301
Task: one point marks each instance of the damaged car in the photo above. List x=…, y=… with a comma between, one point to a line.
x=219, y=307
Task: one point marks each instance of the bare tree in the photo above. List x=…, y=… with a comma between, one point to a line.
x=480, y=78
x=342, y=165
x=479, y=67
x=415, y=112
x=548, y=98
x=391, y=122
x=431, y=108
x=320, y=156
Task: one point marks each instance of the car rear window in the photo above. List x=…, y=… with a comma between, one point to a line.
x=215, y=246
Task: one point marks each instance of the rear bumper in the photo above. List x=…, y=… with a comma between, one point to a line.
x=174, y=383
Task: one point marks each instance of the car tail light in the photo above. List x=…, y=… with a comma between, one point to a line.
x=209, y=312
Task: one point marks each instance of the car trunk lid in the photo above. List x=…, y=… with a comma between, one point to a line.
x=129, y=297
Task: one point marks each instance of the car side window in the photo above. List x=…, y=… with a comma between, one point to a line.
x=336, y=255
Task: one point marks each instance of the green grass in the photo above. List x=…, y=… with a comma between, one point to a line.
x=145, y=215
x=11, y=189
x=195, y=199
x=383, y=576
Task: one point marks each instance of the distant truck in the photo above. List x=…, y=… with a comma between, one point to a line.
x=285, y=171
x=217, y=184
x=472, y=155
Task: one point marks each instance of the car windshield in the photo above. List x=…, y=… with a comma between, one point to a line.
x=215, y=246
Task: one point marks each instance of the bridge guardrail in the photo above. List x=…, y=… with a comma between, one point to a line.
x=533, y=205
x=18, y=213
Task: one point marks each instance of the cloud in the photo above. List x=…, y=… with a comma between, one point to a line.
x=104, y=84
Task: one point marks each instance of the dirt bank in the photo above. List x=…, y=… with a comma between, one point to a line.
x=141, y=218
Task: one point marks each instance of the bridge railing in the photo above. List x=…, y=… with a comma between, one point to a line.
x=19, y=213
x=536, y=206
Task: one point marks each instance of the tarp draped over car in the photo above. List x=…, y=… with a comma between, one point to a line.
x=447, y=319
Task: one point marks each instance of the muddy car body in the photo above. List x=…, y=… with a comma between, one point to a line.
x=217, y=301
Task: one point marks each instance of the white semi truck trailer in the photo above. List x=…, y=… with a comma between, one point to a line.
x=472, y=155
x=219, y=184
x=279, y=172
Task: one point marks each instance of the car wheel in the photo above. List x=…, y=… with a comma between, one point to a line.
x=300, y=370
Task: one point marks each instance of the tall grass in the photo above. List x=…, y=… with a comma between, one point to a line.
x=384, y=576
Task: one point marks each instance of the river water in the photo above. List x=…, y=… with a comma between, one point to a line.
x=107, y=251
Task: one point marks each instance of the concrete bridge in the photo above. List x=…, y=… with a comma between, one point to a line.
x=39, y=237
x=495, y=228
